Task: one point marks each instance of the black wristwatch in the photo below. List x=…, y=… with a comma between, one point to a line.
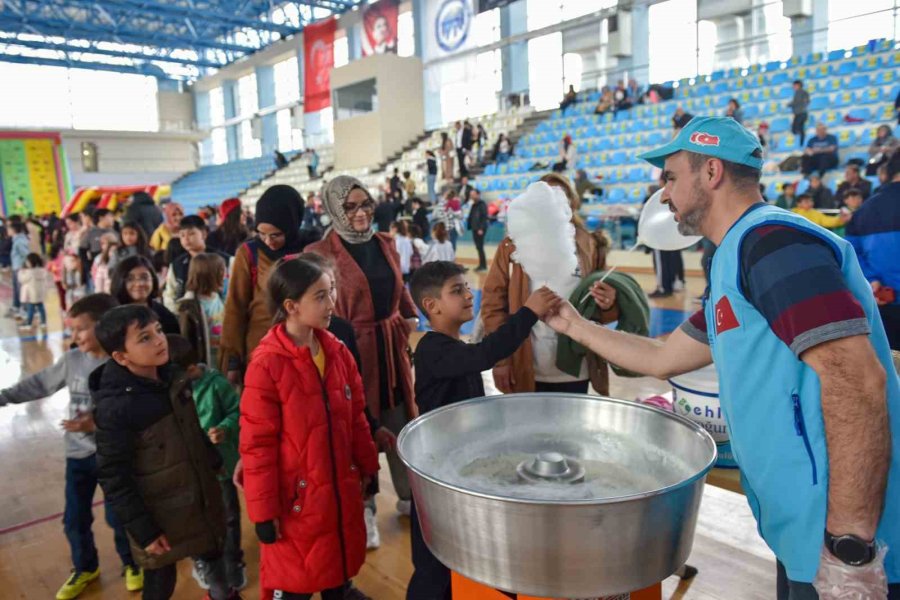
x=850, y=549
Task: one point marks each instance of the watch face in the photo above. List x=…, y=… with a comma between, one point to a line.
x=850, y=551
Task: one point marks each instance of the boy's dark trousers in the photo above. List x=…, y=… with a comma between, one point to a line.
x=81, y=483
x=234, y=556
x=431, y=578
x=159, y=584
x=329, y=594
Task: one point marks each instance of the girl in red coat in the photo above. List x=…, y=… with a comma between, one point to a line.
x=305, y=443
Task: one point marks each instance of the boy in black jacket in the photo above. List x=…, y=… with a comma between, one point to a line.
x=449, y=370
x=156, y=466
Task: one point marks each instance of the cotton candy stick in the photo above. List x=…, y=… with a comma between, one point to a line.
x=608, y=271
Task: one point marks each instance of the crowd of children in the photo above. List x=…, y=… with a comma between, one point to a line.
x=164, y=433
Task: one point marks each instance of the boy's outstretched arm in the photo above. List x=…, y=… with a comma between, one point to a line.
x=37, y=386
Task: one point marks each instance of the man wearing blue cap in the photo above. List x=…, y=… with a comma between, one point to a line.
x=806, y=380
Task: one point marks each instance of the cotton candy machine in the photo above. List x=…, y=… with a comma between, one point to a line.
x=558, y=495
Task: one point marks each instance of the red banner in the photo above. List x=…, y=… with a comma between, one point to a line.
x=318, y=60
x=380, y=28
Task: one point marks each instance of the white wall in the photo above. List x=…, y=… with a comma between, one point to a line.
x=131, y=158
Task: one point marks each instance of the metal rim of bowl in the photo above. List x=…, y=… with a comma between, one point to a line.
x=696, y=428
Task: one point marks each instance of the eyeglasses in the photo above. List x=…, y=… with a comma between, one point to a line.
x=351, y=208
x=269, y=236
x=139, y=279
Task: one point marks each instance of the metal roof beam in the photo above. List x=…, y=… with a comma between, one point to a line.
x=58, y=27
x=37, y=45
x=80, y=64
x=152, y=7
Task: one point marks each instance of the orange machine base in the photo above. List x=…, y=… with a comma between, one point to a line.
x=466, y=589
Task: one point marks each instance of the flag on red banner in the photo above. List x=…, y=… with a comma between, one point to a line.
x=318, y=60
x=380, y=28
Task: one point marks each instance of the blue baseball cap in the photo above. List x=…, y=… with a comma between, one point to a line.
x=721, y=137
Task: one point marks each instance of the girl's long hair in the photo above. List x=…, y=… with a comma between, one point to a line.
x=143, y=248
x=439, y=231
x=206, y=274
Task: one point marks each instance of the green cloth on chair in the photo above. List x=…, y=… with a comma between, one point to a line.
x=634, y=317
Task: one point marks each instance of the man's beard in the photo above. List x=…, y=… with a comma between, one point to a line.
x=691, y=220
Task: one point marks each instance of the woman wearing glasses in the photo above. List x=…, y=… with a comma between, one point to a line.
x=247, y=318
x=134, y=282
x=371, y=295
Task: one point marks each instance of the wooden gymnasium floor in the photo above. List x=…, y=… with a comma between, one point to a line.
x=34, y=557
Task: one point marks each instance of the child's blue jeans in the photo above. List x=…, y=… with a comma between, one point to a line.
x=81, y=483
x=30, y=307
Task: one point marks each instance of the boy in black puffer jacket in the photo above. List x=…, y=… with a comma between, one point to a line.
x=156, y=467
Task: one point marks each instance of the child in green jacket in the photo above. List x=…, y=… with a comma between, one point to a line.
x=218, y=408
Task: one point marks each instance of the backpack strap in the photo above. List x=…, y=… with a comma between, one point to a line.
x=253, y=255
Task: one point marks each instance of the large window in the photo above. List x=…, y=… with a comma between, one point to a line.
x=855, y=23
x=673, y=35
x=341, y=50
x=289, y=138
x=406, y=38
x=216, y=106
x=250, y=146
x=55, y=97
x=248, y=96
x=287, y=81
x=219, y=146
x=545, y=70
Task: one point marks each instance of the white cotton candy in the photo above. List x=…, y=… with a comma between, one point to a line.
x=540, y=225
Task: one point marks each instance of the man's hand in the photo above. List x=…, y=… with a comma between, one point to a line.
x=836, y=580
x=83, y=423
x=159, y=546
x=565, y=318
x=503, y=379
x=876, y=285
x=480, y=232
x=217, y=435
x=364, y=483
x=543, y=302
x=385, y=440
x=604, y=295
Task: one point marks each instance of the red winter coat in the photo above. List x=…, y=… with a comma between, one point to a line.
x=304, y=447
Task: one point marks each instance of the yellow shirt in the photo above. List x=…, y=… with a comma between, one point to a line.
x=319, y=359
x=160, y=238
x=819, y=218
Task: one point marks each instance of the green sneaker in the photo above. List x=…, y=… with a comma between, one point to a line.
x=75, y=584
x=134, y=578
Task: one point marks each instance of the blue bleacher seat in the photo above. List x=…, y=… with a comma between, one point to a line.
x=870, y=63
x=845, y=68
x=858, y=82
x=846, y=138
x=779, y=125
x=860, y=114
x=836, y=55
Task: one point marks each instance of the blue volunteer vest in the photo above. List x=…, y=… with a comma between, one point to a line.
x=771, y=402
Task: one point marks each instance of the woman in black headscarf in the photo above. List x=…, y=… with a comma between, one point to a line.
x=247, y=318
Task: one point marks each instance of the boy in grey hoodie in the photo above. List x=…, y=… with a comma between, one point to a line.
x=72, y=371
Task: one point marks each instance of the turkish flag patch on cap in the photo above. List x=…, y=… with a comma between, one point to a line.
x=725, y=318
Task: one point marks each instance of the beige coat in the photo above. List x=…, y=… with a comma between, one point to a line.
x=506, y=290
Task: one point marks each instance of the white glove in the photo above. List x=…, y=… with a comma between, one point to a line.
x=837, y=580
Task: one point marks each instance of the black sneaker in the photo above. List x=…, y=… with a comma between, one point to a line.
x=352, y=592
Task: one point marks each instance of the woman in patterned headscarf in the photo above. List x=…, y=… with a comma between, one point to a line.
x=371, y=295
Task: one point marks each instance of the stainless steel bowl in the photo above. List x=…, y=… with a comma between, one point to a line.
x=569, y=537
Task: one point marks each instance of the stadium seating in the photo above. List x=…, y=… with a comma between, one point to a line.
x=214, y=183
x=852, y=91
